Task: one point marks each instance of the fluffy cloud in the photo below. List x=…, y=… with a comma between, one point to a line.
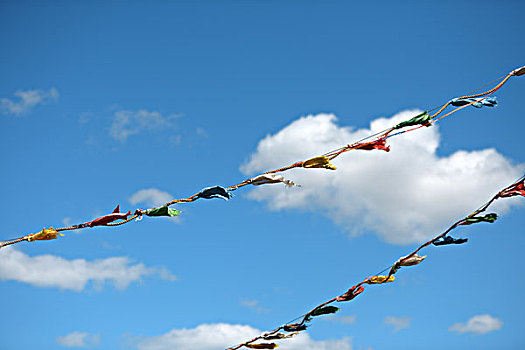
x=127, y=123
x=54, y=271
x=406, y=195
x=398, y=323
x=151, y=197
x=27, y=100
x=79, y=340
x=479, y=324
x=222, y=335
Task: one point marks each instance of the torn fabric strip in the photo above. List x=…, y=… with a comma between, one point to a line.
x=478, y=103
x=319, y=162
x=445, y=240
x=491, y=217
x=106, y=219
x=44, y=235
x=214, y=192
x=162, y=211
x=420, y=119
x=271, y=179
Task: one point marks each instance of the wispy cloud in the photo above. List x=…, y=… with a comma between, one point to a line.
x=27, y=100
x=404, y=196
x=351, y=319
x=126, y=123
x=151, y=197
x=254, y=305
x=479, y=324
x=54, y=271
x=79, y=340
x=398, y=323
x=222, y=335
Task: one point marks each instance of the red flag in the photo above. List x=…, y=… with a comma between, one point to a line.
x=351, y=293
x=518, y=189
x=378, y=144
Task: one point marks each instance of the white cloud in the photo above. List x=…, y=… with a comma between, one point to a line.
x=79, y=340
x=479, y=324
x=27, y=100
x=398, y=323
x=150, y=196
x=127, y=123
x=406, y=195
x=222, y=335
x=54, y=271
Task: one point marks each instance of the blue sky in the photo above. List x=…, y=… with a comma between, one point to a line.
x=103, y=100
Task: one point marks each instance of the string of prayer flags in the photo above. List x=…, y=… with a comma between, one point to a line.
x=407, y=260
x=44, y=235
x=351, y=293
x=478, y=103
x=380, y=279
x=420, y=119
x=517, y=189
x=445, y=240
x=106, y=219
x=484, y=218
x=271, y=179
x=319, y=162
x=161, y=211
x=377, y=144
x=324, y=311
x=261, y=346
x=214, y=192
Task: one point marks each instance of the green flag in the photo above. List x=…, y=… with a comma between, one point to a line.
x=420, y=119
x=485, y=218
x=324, y=311
x=162, y=211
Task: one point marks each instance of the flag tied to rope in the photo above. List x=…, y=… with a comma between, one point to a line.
x=445, y=240
x=420, y=119
x=319, y=162
x=106, y=219
x=369, y=146
x=475, y=219
x=269, y=336
x=262, y=346
x=294, y=327
x=324, y=311
x=518, y=71
x=44, y=235
x=271, y=179
x=162, y=211
x=404, y=261
x=214, y=192
x=379, y=279
x=518, y=189
x=351, y=293
x=478, y=103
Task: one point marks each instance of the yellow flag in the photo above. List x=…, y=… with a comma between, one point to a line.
x=44, y=235
x=380, y=279
x=319, y=162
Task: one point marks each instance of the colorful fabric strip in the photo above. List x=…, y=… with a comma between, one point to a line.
x=478, y=103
